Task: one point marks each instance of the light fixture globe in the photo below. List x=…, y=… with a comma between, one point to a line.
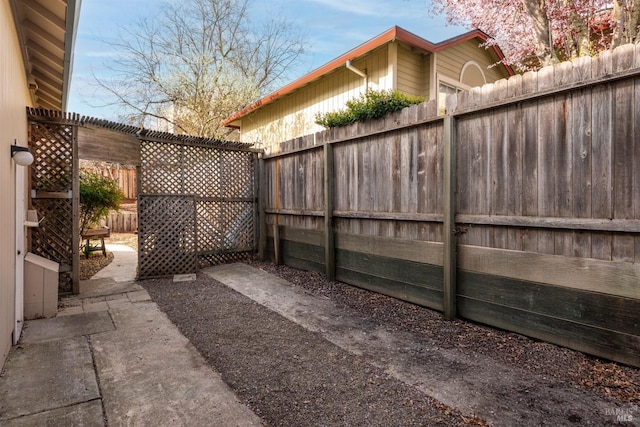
x=21, y=155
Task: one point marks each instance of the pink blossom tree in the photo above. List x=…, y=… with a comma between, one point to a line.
x=534, y=33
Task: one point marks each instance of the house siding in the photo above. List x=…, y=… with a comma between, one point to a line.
x=449, y=62
x=294, y=115
x=14, y=97
x=411, y=73
x=391, y=66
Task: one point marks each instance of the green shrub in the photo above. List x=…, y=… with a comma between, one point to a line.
x=98, y=195
x=371, y=105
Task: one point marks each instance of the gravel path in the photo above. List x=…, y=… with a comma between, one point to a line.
x=288, y=375
x=581, y=371
x=293, y=377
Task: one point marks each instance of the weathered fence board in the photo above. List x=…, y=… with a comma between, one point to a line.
x=545, y=208
x=121, y=222
x=108, y=145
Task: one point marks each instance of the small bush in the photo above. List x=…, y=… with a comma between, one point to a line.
x=372, y=105
x=98, y=195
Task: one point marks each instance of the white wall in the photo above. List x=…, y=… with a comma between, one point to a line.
x=14, y=97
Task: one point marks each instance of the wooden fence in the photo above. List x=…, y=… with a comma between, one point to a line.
x=127, y=183
x=121, y=222
x=519, y=209
x=126, y=176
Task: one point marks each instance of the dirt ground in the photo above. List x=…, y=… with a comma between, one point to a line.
x=582, y=371
x=291, y=376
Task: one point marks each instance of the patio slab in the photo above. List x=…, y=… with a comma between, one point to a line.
x=106, y=286
x=47, y=375
x=150, y=374
x=82, y=414
x=117, y=361
x=66, y=327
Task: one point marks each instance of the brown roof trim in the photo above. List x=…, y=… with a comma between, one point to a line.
x=394, y=33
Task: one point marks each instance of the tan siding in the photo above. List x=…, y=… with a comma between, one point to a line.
x=426, y=76
x=14, y=97
x=410, y=72
x=294, y=114
x=451, y=61
x=472, y=75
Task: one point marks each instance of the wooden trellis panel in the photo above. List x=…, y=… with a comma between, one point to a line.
x=161, y=168
x=51, y=185
x=221, y=181
x=167, y=235
x=195, y=181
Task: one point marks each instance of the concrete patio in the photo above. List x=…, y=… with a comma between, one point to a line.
x=111, y=358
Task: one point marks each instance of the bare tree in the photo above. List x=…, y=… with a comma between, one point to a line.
x=196, y=63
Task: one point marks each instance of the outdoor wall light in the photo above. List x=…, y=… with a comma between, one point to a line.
x=21, y=155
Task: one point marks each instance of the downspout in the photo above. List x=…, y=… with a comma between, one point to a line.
x=361, y=73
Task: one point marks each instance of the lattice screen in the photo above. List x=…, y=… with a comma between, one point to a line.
x=51, y=178
x=221, y=182
x=196, y=206
x=167, y=235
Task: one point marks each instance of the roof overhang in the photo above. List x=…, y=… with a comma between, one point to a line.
x=47, y=31
x=393, y=34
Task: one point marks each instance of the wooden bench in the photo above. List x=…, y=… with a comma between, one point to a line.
x=95, y=234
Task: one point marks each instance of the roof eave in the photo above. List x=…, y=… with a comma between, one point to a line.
x=73, y=15
x=53, y=91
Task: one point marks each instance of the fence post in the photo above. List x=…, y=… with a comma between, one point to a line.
x=262, y=217
x=277, y=256
x=75, y=213
x=448, y=232
x=329, y=242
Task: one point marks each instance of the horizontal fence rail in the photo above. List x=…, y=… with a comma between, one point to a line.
x=520, y=208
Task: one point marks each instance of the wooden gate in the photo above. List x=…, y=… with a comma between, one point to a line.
x=196, y=204
x=167, y=235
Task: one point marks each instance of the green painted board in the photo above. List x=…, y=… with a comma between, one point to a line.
x=411, y=272
x=590, y=308
x=617, y=346
x=415, y=294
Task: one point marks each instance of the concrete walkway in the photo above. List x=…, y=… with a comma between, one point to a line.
x=123, y=267
x=112, y=358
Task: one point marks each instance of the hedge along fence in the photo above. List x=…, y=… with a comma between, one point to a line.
x=520, y=209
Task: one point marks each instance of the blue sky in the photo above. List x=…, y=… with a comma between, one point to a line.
x=331, y=28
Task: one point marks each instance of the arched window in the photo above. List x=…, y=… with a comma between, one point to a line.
x=472, y=74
